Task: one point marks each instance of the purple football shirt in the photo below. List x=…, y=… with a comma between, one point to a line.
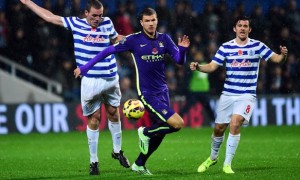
x=149, y=59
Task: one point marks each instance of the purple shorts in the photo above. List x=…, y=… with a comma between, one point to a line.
x=158, y=106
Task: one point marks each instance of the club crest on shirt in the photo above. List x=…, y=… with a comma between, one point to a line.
x=161, y=44
x=164, y=111
x=103, y=29
x=251, y=52
x=122, y=41
x=154, y=51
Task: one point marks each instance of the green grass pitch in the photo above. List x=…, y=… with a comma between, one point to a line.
x=263, y=153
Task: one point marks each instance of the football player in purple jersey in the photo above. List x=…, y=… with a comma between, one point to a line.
x=148, y=49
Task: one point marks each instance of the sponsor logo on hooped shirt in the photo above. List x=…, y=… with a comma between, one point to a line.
x=244, y=63
x=92, y=39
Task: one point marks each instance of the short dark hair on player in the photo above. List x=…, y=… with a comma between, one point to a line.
x=93, y=3
x=147, y=12
x=243, y=18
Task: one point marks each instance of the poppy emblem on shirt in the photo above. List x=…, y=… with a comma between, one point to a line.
x=240, y=52
x=154, y=51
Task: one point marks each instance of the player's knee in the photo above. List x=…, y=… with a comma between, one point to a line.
x=181, y=124
x=113, y=117
x=94, y=120
x=235, y=125
x=176, y=122
x=178, y=125
x=219, y=129
x=113, y=114
x=234, y=128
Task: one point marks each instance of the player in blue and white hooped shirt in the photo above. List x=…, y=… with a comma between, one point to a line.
x=101, y=85
x=241, y=56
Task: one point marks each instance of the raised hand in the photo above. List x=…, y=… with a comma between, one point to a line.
x=283, y=50
x=77, y=72
x=184, y=42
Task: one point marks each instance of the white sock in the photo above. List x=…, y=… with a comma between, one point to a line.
x=215, y=146
x=116, y=133
x=231, y=146
x=93, y=136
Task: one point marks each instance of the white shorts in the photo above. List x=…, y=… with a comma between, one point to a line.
x=95, y=91
x=238, y=104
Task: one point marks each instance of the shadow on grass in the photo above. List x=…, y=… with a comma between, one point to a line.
x=248, y=169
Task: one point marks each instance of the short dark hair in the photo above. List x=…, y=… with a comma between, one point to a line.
x=147, y=12
x=243, y=18
x=93, y=3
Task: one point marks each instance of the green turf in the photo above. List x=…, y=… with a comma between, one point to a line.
x=263, y=153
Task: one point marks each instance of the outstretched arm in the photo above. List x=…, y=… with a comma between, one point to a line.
x=277, y=58
x=82, y=70
x=207, y=68
x=43, y=13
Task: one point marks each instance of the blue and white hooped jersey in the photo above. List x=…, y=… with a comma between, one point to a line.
x=242, y=65
x=88, y=42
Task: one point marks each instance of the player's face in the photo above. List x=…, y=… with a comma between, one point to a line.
x=242, y=29
x=149, y=24
x=94, y=16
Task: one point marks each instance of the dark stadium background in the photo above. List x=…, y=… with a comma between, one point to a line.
x=269, y=148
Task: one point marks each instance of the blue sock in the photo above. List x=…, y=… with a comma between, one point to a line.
x=154, y=143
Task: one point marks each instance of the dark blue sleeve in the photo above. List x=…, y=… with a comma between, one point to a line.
x=177, y=53
x=106, y=52
x=123, y=45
